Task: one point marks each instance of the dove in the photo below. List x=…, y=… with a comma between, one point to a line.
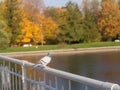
x=43, y=61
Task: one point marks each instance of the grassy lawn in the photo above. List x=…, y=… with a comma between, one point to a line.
x=58, y=47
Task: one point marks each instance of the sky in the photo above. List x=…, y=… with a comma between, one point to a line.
x=59, y=3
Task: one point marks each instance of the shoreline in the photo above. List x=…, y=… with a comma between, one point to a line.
x=64, y=51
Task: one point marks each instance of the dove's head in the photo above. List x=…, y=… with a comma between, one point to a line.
x=49, y=54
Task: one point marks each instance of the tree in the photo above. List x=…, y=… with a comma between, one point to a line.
x=94, y=8
x=70, y=24
x=90, y=33
x=31, y=11
x=12, y=16
x=109, y=20
x=44, y=29
x=1, y=10
x=48, y=28
x=4, y=40
x=30, y=32
x=33, y=8
x=54, y=13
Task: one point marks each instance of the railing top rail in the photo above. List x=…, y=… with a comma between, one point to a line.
x=17, y=61
x=66, y=75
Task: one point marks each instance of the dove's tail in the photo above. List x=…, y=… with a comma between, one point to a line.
x=36, y=65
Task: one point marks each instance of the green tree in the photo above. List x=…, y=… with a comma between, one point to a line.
x=4, y=40
x=95, y=8
x=70, y=24
x=54, y=13
x=90, y=33
x=12, y=16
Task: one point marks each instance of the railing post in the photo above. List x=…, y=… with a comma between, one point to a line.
x=24, y=83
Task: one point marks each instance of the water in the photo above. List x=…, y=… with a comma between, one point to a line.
x=104, y=66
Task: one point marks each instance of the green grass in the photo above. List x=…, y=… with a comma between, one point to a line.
x=58, y=47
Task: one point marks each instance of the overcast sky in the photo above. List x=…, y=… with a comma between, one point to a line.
x=59, y=3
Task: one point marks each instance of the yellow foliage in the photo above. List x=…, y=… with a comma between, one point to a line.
x=37, y=32
x=29, y=32
x=48, y=28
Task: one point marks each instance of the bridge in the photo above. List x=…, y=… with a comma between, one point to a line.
x=18, y=74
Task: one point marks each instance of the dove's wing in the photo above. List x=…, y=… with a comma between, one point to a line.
x=45, y=60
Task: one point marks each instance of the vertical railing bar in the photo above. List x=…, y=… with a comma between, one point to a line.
x=56, y=82
x=3, y=86
x=34, y=74
x=69, y=82
x=62, y=87
x=34, y=79
x=19, y=80
x=24, y=83
x=40, y=85
x=1, y=80
x=50, y=84
x=30, y=82
x=8, y=77
x=44, y=77
x=86, y=87
x=7, y=88
x=38, y=88
x=16, y=77
x=9, y=66
x=12, y=80
x=3, y=63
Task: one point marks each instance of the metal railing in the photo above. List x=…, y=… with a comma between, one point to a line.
x=19, y=75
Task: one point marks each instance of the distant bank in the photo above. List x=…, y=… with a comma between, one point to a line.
x=64, y=51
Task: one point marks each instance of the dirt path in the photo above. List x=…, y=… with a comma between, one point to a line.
x=65, y=51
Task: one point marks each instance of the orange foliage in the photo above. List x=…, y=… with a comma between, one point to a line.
x=108, y=21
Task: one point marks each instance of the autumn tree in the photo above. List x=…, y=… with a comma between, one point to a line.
x=30, y=31
x=50, y=31
x=48, y=28
x=33, y=8
x=12, y=16
x=109, y=20
x=37, y=33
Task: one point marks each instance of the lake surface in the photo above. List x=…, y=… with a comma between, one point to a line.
x=103, y=66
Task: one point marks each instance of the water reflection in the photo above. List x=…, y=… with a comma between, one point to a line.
x=103, y=66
